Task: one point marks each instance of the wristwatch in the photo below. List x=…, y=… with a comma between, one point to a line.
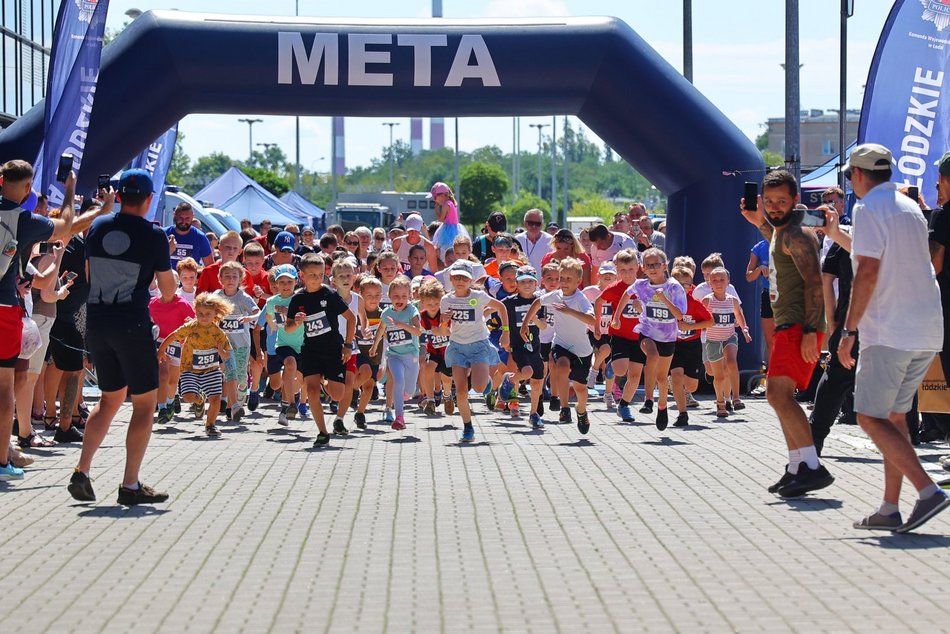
x=848, y=333
x=807, y=330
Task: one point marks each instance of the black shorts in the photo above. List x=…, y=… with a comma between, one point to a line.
x=329, y=366
x=9, y=363
x=629, y=349
x=524, y=359
x=439, y=360
x=545, y=349
x=580, y=366
x=597, y=343
x=66, y=346
x=275, y=362
x=765, y=305
x=124, y=357
x=689, y=356
x=263, y=339
x=663, y=348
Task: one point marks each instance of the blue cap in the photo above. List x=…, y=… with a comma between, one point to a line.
x=527, y=273
x=285, y=241
x=285, y=270
x=136, y=181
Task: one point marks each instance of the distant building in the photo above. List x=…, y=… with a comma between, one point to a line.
x=26, y=33
x=819, y=135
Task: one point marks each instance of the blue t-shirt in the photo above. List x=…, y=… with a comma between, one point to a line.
x=124, y=252
x=761, y=251
x=193, y=244
x=30, y=230
x=400, y=341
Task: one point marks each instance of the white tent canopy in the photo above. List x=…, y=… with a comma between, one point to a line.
x=302, y=205
x=257, y=205
x=223, y=187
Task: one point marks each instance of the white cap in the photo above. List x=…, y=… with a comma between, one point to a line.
x=414, y=222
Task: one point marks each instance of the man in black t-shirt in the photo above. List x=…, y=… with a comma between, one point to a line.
x=124, y=252
x=939, y=242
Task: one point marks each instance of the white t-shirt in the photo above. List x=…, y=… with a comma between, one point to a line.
x=569, y=332
x=536, y=251
x=478, y=271
x=904, y=311
x=621, y=241
x=701, y=291
x=468, y=316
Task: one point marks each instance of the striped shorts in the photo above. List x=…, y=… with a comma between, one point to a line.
x=201, y=383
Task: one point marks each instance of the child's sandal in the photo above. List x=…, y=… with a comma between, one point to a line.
x=721, y=411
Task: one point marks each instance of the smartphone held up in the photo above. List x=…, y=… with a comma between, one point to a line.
x=64, y=168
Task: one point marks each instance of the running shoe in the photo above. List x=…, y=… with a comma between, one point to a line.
x=400, y=423
x=923, y=511
x=682, y=420
x=212, y=431
x=197, y=410
x=522, y=389
x=583, y=424
x=226, y=412
x=609, y=400
x=592, y=379
x=360, y=419
x=176, y=404
x=8, y=472
x=541, y=407
x=438, y=398
x=429, y=409
x=323, y=438
x=490, y=400
x=647, y=407
x=388, y=416
x=292, y=410
x=468, y=433
x=164, y=416
x=536, y=421
x=80, y=487
x=806, y=480
x=565, y=416
x=609, y=371
x=304, y=410
x=625, y=414
x=691, y=402
x=555, y=404
x=142, y=495
x=253, y=400
x=449, y=405
x=339, y=428
x=70, y=435
x=501, y=405
x=785, y=479
x=507, y=387
x=282, y=417
x=877, y=522
x=514, y=408
x=237, y=413
x=277, y=396
x=662, y=419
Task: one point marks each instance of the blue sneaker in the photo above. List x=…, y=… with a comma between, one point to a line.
x=507, y=387
x=303, y=409
x=625, y=415
x=9, y=472
x=468, y=434
x=488, y=389
x=388, y=416
x=536, y=421
x=253, y=400
x=609, y=371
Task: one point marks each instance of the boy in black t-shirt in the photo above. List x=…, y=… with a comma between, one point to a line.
x=525, y=354
x=325, y=351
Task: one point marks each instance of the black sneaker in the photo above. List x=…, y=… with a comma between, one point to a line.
x=555, y=404
x=662, y=419
x=647, y=407
x=540, y=407
x=142, y=495
x=322, y=439
x=565, y=417
x=785, y=479
x=339, y=428
x=268, y=392
x=67, y=436
x=729, y=407
x=806, y=480
x=176, y=404
x=253, y=400
x=212, y=431
x=228, y=414
x=360, y=419
x=682, y=420
x=583, y=424
x=80, y=487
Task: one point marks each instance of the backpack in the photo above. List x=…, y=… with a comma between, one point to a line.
x=9, y=218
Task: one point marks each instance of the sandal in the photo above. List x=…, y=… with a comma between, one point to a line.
x=33, y=441
x=721, y=411
x=50, y=423
x=78, y=422
x=737, y=405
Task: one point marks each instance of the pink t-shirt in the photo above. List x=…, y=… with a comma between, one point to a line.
x=169, y=317
x=451, y=212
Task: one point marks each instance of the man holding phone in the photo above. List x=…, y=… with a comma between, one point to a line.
x=190, y=242
x=795, y=291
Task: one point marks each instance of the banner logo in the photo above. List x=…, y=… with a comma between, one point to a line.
x=86, y=9
x=938, y=12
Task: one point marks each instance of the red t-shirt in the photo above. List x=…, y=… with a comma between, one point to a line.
x=435, y=344
x=630, y=318
x=262, y=279
x=695, y=313
x=208, y=281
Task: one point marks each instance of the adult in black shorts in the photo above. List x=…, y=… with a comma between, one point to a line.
x=125, y=252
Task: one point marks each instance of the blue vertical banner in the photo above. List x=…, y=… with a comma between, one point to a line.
x=70, y=88
x=156, y=159
x=904, y=109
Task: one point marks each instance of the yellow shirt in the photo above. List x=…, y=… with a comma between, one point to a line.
x=199, y=353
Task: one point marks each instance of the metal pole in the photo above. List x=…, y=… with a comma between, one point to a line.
x=843, y=97
x=391, y=125
x=297, y=118
x=539, y=126
x=333, y=188
x=688, y=40
x=792, y=97
x=554, y=170
x=514, y=159
x=458, y=177
x=250, y=134
x=566, y=161
x=517, y=155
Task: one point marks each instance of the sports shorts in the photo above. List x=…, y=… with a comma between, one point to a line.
x=629, y=349
x=206, y=384
x=275, y=362
x=524, y=358
x=689, y=356
x=329, y=366
x=786, y=359
x=66, y=346
x=580, y=366
x=888, y=379
x=716, y=350
x=124, y=356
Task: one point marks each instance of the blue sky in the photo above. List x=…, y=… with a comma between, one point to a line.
x=738, y=46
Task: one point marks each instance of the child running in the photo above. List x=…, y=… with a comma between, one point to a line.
x=687, y=366
x=205, y=346
x=525, y=352
x=367, y=365
x=400, y=325
x=236, y=327
x=436, y=376
x=571, y=350
x=344, y=275
x=606, y=275
x=169, y=317
x=722, y=343
x=282, y=359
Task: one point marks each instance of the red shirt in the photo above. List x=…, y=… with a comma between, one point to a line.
x=262, y=279
x=695, y=313
x=630, y=318
x=208, y=281
x=435, y=344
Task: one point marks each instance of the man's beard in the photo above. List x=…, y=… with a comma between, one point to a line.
x=780, y=222
x=183, y=227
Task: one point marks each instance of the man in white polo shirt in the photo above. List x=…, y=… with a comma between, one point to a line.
x=895, y=302
x=605, y=244
x=535, y=243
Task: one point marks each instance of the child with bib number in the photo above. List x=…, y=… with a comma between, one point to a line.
x=235, y=326
x=204, y=347
x=722, y=343
x=169, y=317
x=400, y=326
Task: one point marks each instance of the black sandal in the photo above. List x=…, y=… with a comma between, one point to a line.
x=50, y=423
x=78, y=422
x=33, y=441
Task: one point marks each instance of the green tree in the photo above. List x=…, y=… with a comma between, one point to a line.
x=772, y=159
x=180, y=166
x=268, y=180
x=206, y=169
x=483, y=187
x=762, y=141
x=526, y=201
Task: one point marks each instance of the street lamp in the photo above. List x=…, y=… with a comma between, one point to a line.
x=391, y=125
x=133, y=13
x=250, y=134
x=539, y=126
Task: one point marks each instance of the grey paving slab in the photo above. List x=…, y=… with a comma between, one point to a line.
x=626, y=529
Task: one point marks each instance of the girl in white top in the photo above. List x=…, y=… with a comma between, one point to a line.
x=344, y=276
x=722, y=344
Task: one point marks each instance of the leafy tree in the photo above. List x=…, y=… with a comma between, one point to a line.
x=483, y=187
x=772, y=159
x=180, y=167
x=516, y=212
x=762, y=141
x=268, y=180
x=206, y=169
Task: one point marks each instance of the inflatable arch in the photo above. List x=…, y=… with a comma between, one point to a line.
x=168, y=64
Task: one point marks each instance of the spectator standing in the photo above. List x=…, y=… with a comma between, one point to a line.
x=482, y=246
x=190, y=242
x=605, y=244
x=535, y=244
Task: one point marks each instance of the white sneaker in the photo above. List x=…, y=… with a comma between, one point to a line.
x=690, y=401
x=592, y=379
x=609, y=400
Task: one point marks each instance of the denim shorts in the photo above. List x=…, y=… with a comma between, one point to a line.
x=465, y=355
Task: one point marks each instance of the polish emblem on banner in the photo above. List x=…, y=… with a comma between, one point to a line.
x=938, y=12
x=86, y=9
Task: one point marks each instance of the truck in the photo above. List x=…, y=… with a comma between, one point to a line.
x=360, y=207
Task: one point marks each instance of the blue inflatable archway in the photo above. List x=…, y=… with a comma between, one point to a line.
x=168, y=64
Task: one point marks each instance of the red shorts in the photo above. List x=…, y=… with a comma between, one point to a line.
x=11, y=333
x=786, y=359
x=351, y=364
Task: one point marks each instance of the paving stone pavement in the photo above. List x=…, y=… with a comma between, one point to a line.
x=626, y=529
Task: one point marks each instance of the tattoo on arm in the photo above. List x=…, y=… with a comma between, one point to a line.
x=803, y=247
x=766, y=230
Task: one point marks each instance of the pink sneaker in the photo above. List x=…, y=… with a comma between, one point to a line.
x=399, y=424
x=617, y=392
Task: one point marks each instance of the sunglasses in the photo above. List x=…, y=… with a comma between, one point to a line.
x=533, y=223
x=564, y=240
x=654, y=265
x=352, y=244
